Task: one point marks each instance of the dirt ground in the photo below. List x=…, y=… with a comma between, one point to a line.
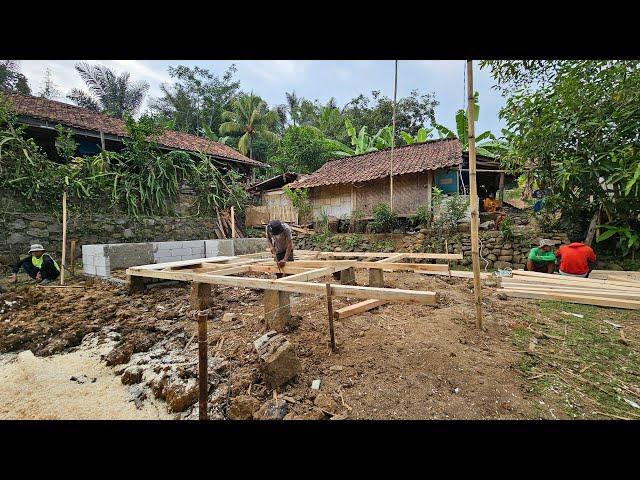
x=400, y=361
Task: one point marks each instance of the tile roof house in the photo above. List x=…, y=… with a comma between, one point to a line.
x=344, y=185
x=41, y=115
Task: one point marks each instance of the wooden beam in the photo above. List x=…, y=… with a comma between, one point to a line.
x=576, y=291
x=196, y=261
x=582, y=299
x=407, y=255
x=314, y=273
x=357, y=308
x=390, y=294
x=387, y=266
x=393, y=259
x=565, y=279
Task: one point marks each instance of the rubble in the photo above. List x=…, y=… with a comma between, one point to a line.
x=180, y=394
x=272, y=410
x=243, y=407
x=278, y=360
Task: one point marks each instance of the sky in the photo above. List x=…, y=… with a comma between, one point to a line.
x=312, y=79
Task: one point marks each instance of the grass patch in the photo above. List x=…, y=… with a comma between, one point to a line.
x=582, y=363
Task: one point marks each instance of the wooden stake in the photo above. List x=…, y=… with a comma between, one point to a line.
x=501, y=189
x=102, y=140
x=73, y=258
x=330, y=311
x=393, y=137
x=203, y=380
x=475, y=255
x=233, y=223
x=64, y=236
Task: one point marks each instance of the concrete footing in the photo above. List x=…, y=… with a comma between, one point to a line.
x=277, y=310
x=376, y=277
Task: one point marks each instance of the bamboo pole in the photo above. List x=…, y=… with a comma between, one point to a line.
x=501, y=189
x=64, y=236
x=102, y=140
x=473, y=198
x=233, y=223
x=73, y=257
x=332, y=337
x=393, y=137
x=203, y=377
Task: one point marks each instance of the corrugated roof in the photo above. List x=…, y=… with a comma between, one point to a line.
x=418, y=157
x=78, y=117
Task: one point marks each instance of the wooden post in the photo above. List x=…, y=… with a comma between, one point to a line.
x=203, y=377
x=73, y=258
x=233, y=223
x=473, y=197
x=102, y=140
x=332, y=338
x=64, y=236
x=200, y=297
x=393, y=137
x=376, y=277
x=501, y=189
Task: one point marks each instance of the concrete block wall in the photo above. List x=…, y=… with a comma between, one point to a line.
x=99, y=260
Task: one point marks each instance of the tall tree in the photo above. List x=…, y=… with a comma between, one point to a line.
x=108, y=93
x=48, y=89
x=303, y=150
x=12, y=79
x=196, y=99
x=249, y=119
x=575, y=134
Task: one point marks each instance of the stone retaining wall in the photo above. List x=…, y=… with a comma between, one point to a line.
x=496, y=250
x=19, y=230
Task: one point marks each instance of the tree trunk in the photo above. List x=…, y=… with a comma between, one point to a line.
x=591, y=231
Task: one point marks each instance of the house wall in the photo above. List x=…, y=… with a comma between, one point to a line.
x=279, y=206
x=334, y=199
x=409, y=192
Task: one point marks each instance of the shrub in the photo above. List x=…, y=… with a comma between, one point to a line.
x=422, y=217
x=384, y=220
x=383, y=246
x=506, y=227
x=352, y=241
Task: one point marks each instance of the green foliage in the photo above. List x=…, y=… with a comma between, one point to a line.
x=300, y=200
x=384, y=220
x=575, y=127
x=355, y=220
x=488, y=148
x=362, y=142
x=194, y=102
x=506, y=227
x=302, y=150
x=11, y=79
x=249, y=118
x=112, y=94
x=422, y=136
x=628, y=239
x=448, y=211
x=382, y=246
x=140, y=178
x=352, y=241
x=422, y=217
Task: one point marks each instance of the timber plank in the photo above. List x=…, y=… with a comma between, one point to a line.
x=390, y=294
x=357, y=308
x=582, y=299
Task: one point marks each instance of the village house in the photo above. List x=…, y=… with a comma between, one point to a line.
x=345, y=185
x=95, y=131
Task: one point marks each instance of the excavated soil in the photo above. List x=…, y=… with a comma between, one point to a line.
x=400, y=361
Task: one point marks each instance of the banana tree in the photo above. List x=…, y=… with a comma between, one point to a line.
x=361, y=142
x=422, y=136
x=488, y=148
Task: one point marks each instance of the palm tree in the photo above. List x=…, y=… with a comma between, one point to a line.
x=108, y=93
x=249, y=119
x=293, y=105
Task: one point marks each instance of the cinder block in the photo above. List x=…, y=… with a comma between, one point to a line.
x=167, y=245
x=190, y=257
x=193, y=244
x=101, y=271
x=88, y=259
x=88, y=269
x=181, y=251
x=217, y=248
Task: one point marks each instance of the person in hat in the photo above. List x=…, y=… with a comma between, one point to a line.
x=280, y=243
x=39, y=266
x=542, y=259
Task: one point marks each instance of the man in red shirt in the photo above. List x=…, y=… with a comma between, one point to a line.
x=576, y=259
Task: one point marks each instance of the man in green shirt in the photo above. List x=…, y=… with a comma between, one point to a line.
x=542, y=259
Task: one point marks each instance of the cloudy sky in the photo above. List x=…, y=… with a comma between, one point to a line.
x=313, y=79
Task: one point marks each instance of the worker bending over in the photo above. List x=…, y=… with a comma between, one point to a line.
x=542, y=259
x=576, y=259
x=280, y=243
x=39, y=266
